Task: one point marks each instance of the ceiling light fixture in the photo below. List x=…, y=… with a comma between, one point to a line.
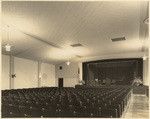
x=68, y=62
x=8, y=47
x=146, y=21
x=145, y=57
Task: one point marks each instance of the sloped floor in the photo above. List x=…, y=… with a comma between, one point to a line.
x=138, y=107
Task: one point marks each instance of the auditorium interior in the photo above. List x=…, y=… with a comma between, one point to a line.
x=75, y=59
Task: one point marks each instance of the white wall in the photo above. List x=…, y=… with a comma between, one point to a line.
x=47, y=74
x=68, y=73
x=5, y=72
x=26, y=73
x=70, y=82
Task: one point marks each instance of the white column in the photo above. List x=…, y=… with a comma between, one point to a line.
x=11, y=72
x=81, y=73
x=39, y=74
x=145, y=72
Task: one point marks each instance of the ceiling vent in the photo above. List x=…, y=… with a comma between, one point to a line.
x=76, y=45
x=118, y=39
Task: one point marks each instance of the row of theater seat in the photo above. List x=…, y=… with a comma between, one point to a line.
x=65, y=102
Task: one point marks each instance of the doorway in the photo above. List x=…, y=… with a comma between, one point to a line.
x=60, y=82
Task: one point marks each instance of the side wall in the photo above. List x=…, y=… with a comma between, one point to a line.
x=26, y=73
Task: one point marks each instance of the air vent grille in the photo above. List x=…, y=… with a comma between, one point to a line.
x=118, y=39
x=76, y=45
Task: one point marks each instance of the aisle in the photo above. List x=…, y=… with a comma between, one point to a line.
x=138, y=107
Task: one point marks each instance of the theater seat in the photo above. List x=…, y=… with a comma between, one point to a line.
x=109, y=113
x=65, y=102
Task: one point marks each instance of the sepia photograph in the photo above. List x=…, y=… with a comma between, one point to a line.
x=75, y=59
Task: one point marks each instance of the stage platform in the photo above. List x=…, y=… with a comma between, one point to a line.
x=136, y=89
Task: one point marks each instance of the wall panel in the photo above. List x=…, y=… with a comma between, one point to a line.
x=47, y=74
x=26, y=73
x=5, y=82
x=70, y=73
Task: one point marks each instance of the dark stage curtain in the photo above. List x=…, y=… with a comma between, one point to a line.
x=111, y=73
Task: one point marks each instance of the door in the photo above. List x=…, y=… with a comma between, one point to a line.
x=60, y=82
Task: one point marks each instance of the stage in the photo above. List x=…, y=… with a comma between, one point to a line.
x=136, y=89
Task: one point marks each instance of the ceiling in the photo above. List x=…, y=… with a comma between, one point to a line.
x=44, y=31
